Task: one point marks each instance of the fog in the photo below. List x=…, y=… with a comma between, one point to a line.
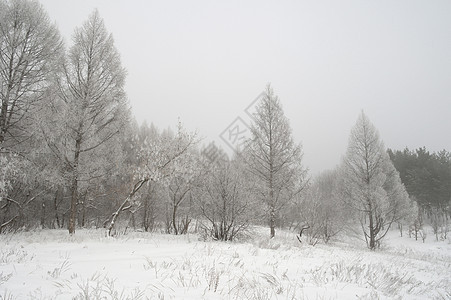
x=205, y=62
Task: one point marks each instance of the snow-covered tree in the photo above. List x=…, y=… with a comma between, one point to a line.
x=161, y=158
x=89, y=112
x=179, y=188
x=225, y=200
x=30, y=53
x=30, y=50
x=321, y=210
x=149, y=209
x=273, y=157
x=371, y=184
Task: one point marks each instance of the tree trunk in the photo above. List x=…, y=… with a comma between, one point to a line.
x=83, y=211
x=43, y=215
x=3, y=120
x=74, y=187
x=4, y=110
x=174, y=213
x=115, y=215
x=73, y=205
x=132, y=217
x=145, y=221
x=272, y=223
x=372, y=245
x=55, y=204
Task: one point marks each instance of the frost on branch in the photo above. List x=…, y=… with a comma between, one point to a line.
x=160, y=159
x=371, y=184
x=165, y=155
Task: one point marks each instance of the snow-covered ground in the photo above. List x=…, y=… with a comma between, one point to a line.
x=49, y=264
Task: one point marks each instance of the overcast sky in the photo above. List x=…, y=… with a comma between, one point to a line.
x=206, y=61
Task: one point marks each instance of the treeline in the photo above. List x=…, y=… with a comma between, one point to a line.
x=72, y=156
x=427, y=178
x=63, y=116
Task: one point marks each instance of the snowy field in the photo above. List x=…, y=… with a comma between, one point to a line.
x=49, y=264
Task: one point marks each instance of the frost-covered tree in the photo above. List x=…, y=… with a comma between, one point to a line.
x=321, y=210
x=89, y=112
x=273, y=157
x=225, y=200
x=179, y=188
x=151, y=206
x=30, y=50
x=371, y=184
x=161, y=158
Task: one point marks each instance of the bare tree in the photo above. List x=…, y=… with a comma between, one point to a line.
x=225, y=201
x=371, y=184
x=16, y=212
x=179, y=189
x=273, y=157
x=321, y=209
x=30, y=50
x=150, y=208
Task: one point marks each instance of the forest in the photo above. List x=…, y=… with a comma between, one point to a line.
x=73, y=156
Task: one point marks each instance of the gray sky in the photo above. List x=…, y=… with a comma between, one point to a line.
x=206, y=61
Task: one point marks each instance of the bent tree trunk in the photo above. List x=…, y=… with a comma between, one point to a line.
x=123, y=206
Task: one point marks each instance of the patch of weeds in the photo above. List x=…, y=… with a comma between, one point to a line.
x=254, y=251
x=14, y=256
x=274, y=282
x=62, y=284
x=209, y=249
x=269, y=244
x=213, y=276
x=7, y=296
x=56, y=273
x=90, y=289
x=166, y=265
x=102, y=287
x=376, y=276
x=151, y=265
x=5, y=278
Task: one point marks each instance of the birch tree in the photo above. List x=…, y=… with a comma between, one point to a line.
x=371, y=184
x=273, y=157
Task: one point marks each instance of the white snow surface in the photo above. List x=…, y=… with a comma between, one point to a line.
x=50, y=264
